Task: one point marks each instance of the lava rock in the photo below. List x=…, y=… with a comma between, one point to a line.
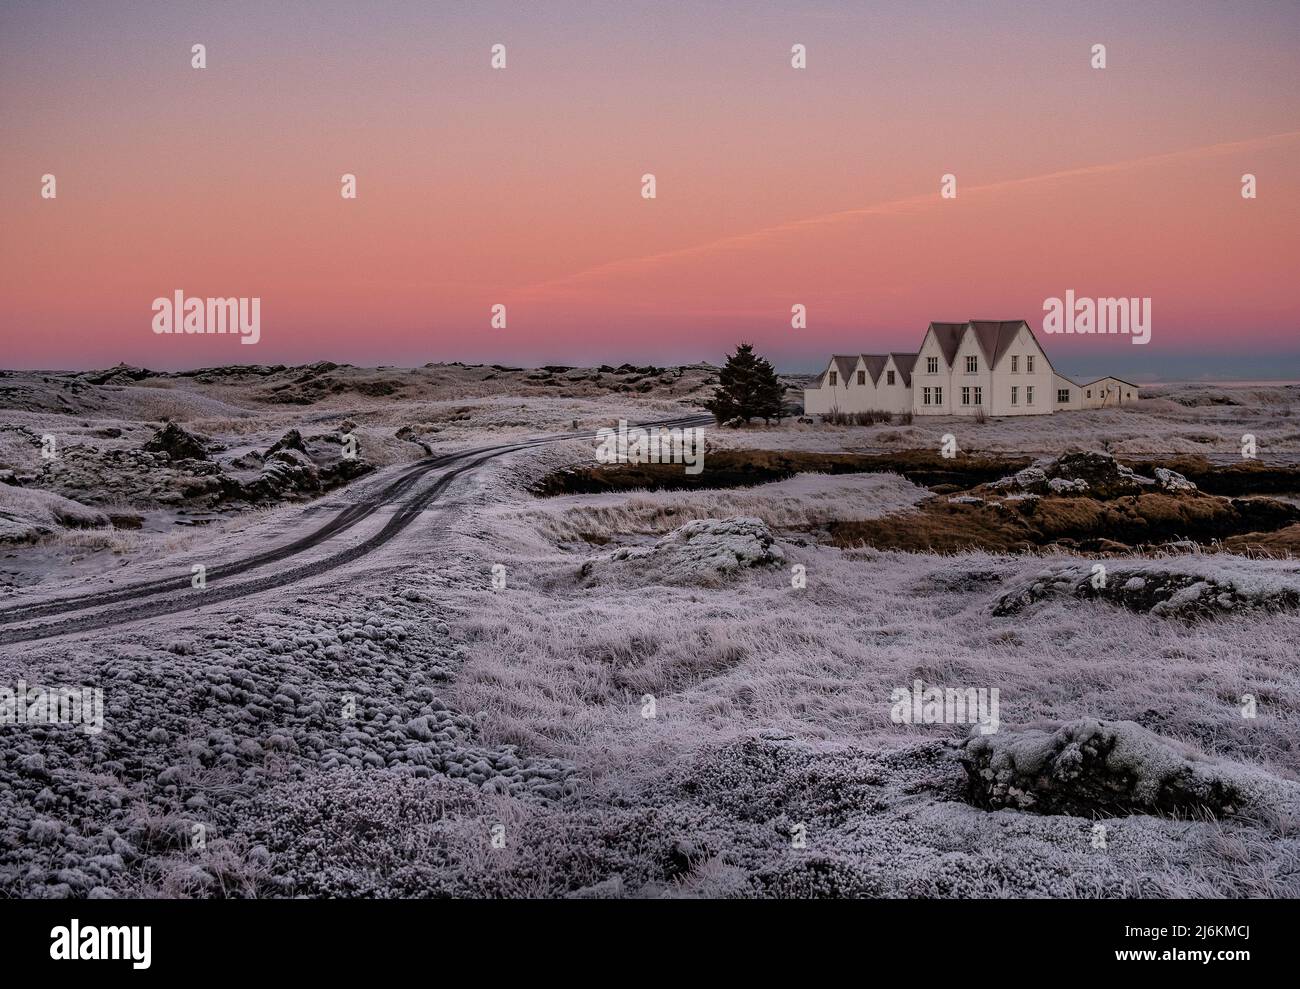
x=177, y=444
x=1088, y=768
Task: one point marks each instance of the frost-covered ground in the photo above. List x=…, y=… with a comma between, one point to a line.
x=1168, y=420
x=685, y=693
x=100, y=423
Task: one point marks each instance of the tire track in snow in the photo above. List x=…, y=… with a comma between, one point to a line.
x=194, y=599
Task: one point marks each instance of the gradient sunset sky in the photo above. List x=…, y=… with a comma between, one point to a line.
x=775, y=186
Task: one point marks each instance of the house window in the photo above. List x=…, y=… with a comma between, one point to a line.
x=1029, y=364
x=1015, y=394
x=938, y=396
x=1130, y=394
x=925, y=396
x=979, y=395
x=1029, y=394
x=832, y=378
x=1090, y=393
x=932, y=365
x=1062, y=395
x=889, y=377
x=972, y=365
x=965, y=396
x=862, y=377
x=1015, y=364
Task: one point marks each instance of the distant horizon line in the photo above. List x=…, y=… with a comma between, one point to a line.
x=1137, y=379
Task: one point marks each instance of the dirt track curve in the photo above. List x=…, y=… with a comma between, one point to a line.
x=172, y=595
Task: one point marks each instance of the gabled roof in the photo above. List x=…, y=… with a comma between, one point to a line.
x=949, y=336
x=994, y=336
x=875, y=365
x=1112, y=378
x=905, y=363
x=845, y=363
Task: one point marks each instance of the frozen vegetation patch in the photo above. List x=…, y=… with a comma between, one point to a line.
x=1184, y=589
x=194, y=731
x=702, y=552
x=765, y=816
x=351, y=835
x=776, y=779
x=1090, y=767
x=805, y=501
x=28, y=514
x=771, y=768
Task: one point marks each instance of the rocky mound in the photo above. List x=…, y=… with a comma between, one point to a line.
x=701, y=552
x=177, y=444
x=175, y=469
x=1161, y=590
x=1085, y=502
x=324, y=379
x=1088, y=768
x=1098, y=475
x=292, y=440
x=121, y=374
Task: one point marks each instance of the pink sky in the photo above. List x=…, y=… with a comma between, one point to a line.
x=775, y=186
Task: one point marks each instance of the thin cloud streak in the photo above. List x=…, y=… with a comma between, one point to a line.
x=906, y=205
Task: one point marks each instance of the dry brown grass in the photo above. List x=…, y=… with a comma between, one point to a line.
x=1078, y=523
x=1282, y=543
x=744, y=468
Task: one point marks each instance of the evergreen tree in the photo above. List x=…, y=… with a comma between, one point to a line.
x=771, y=394
x=748, y=388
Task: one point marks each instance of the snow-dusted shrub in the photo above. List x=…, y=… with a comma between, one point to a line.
x=1183, y=589
x=29, y=513
x=1090, y=767
x=701, y=552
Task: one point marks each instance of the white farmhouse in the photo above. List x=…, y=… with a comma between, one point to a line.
x=996, y=366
